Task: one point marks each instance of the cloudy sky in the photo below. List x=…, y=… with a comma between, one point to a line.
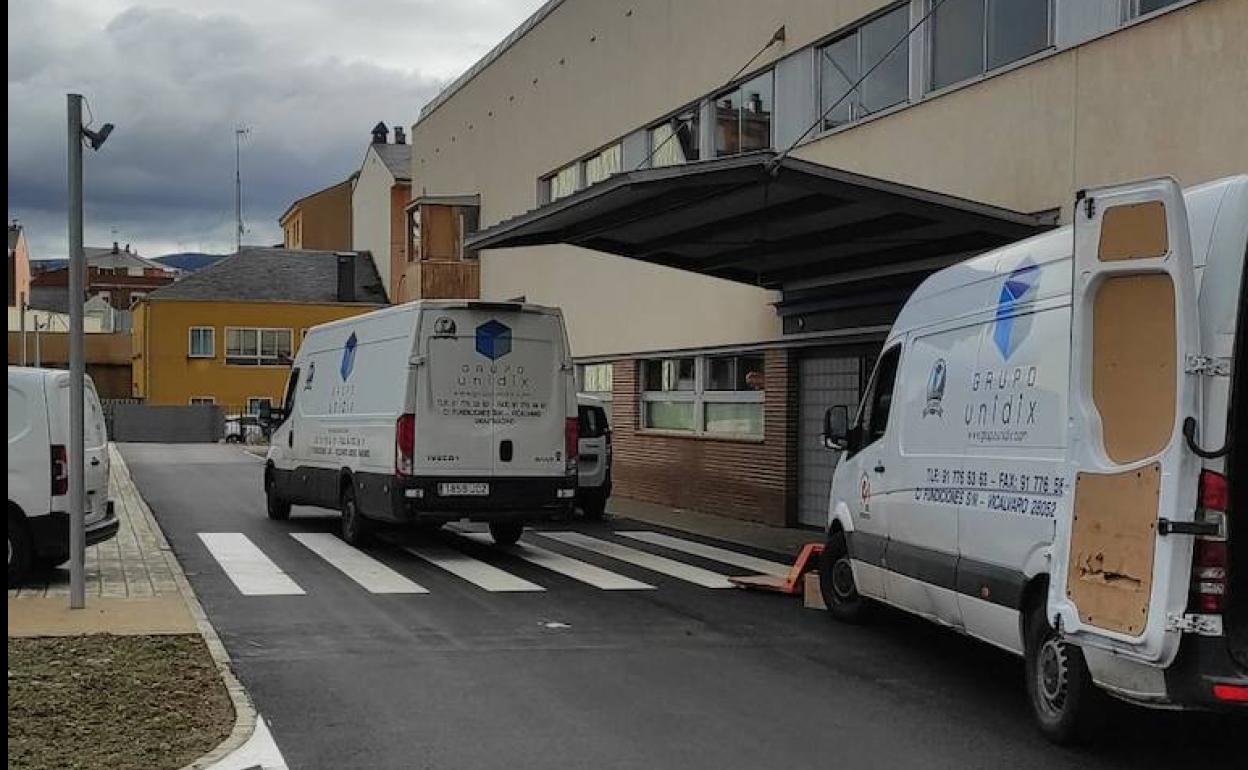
x=308, y=77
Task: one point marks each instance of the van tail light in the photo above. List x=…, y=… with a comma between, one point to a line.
x=1233, y=693
x=1209, y=561
x=570, y=446
x=405, y=445
x=60, y=470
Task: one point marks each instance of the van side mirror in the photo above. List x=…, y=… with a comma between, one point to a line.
x=836, y=427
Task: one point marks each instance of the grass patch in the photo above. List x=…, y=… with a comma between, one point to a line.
x=117, y=702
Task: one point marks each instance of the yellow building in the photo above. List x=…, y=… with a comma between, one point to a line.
x=320, y=220
x=227, y=334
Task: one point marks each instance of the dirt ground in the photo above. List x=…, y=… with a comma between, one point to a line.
x=116, y=702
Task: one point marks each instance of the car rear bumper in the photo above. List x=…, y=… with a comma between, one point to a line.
x=50, y=533
x=1205, y=676
x=420, y=499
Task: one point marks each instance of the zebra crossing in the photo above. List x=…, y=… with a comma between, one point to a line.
x=254, y=573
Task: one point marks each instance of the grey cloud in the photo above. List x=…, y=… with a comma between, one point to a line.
x=176, y=84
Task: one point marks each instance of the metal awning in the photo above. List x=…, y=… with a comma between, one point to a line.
x=785, y=224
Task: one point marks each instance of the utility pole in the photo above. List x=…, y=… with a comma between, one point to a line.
x=38, y=349
x=77, y=359
x=239, y=133
x=21, y=305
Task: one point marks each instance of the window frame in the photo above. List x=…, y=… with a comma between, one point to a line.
x=700, y=397
x=693, y=113
x=202, y=401
x=738, y=88
x=247, y=409
x=190, y=342
x=929, y=46
x=860, y=431
x=260, y=360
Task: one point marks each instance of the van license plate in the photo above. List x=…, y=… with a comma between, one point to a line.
x=464, y=489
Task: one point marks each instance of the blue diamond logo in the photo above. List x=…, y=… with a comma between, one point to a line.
x=493, y=340
x=348, y=357
x=1009, y=329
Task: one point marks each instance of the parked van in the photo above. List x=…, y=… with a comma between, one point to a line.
x=429, y=412
x=39, y=470
x=593, y=465
x=1046, y=456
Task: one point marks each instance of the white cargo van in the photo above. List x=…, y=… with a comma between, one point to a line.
x=38, y=526
x=1049, y=456
x=429, y=412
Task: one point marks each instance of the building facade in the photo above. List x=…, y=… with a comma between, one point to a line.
x=321, y=220
x=116, y=278
x=379, y=199
x=227, y=334
x=19, y=267
x=896, y=137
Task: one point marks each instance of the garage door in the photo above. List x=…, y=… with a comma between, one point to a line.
x=825, y=380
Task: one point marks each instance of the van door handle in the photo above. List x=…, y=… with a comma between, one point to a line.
x=95, y=461
x=290, y=439
x=879, y=467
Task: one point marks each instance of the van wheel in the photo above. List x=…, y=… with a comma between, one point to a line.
x=278, y=509
x=1064, y=700
x=355, y=528
x=506, y=532
x=20, y=551
x=594, y=506
x=836, y=582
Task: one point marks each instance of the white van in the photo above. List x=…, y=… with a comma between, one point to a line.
x=593, y=467
x=39, y=470
x=1045, y=456
x=429, y=412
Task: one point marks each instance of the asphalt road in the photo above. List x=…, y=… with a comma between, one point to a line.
x=681, y=676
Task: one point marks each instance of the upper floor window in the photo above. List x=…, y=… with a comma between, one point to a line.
x=743, y=117
x=562, y=183
x=1141, y=7
x=257, y=347
x=846, y=59
x=676, y=140
x=202, y=342
x=971, y=37
x=602, y=165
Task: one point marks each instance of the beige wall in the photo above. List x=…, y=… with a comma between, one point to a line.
x=371, y=215
x=1162, y=96
x=1168, y=96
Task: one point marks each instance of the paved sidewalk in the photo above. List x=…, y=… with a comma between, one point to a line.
x=130, y=580
x=133, y=565
x=785, y=540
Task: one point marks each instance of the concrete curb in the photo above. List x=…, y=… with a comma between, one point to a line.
x=244, y=711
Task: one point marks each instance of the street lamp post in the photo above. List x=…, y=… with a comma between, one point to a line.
x=77, y=359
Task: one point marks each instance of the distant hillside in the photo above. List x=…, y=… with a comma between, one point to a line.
x=190, y=261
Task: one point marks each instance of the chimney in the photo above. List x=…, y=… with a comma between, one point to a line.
x=380, y=132
x=127, y=248
x=399, y=136
x=346, y=277
x=115, y=249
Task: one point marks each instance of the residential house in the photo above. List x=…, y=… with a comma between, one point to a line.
x=321, y=220
x=19, y=266
x=731, y=214
x=379, y=199
x=227, y=334
x=116, y=278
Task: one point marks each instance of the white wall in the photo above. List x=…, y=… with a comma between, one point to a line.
x=370, y=214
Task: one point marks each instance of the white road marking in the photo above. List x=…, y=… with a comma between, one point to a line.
x=253, y=573
x=260, y=751
x=374, y=576
x=753, y=563
x=652, y=562
x=477, y=572
x=565, y=565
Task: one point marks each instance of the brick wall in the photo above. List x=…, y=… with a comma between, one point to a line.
x=755, y=480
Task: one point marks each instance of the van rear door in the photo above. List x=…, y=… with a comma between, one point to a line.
x=1122, y=558
x=531, y=398
x=455, y=395
x=95, y=455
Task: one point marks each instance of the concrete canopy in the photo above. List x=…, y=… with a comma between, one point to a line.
x=783, y=224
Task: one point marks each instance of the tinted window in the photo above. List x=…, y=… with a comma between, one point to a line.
x=1016, y=28
x=889, y=84
x=593, y=422
x=957, y=41
x=880, y=402
x=292, y=388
